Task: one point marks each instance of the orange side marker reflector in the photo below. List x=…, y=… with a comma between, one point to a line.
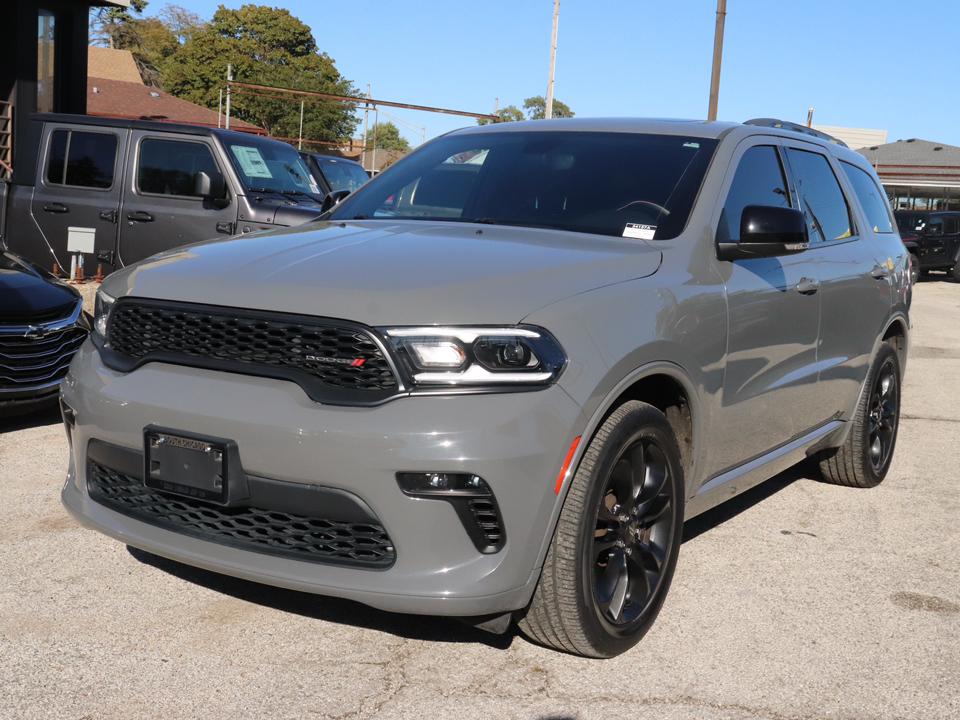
x=566, y=466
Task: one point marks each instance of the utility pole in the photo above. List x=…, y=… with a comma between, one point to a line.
x=548, y=110
x=229, y=80
x=717, y=57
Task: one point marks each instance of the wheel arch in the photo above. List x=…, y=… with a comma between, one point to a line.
x=667, y=387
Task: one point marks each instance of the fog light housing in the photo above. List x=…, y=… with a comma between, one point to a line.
x=470, y=496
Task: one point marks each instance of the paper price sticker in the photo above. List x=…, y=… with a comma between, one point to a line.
x=641, y=232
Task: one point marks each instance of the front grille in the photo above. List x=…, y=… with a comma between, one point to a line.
x=320, y=355
x=32, y=360
x=311, y=539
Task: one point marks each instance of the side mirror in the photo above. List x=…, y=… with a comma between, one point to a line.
x=211, y=186
x=767, y=231
x=333, y=199
x=933, y=230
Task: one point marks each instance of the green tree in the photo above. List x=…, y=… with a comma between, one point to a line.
x=536, y=108
x=266, y=46
x=387, y=137
x=508, y=114
x=107, y=24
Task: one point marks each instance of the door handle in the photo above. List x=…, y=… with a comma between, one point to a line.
x=880, y=272
x=56, y=208
x=806, y=286
x=109, y=215
x=140, y=216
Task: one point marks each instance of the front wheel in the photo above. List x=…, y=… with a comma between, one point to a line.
x=864, y=459
x=955, y=272
x=615, y=549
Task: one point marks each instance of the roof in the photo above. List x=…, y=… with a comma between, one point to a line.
x=113, y=98
x=915, y=162
x=112, y=65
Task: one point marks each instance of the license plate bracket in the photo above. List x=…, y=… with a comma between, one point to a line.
x=192, y=465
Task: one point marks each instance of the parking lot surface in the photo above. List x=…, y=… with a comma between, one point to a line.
x=797, y=601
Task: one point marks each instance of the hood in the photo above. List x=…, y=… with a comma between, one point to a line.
x=383, y=272
x=29, y=294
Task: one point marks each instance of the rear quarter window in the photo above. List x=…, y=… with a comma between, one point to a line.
x=81, y=159
x=871, y=197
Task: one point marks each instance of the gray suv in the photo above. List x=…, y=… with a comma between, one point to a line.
x=495, y=381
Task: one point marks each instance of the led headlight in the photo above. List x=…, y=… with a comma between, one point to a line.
x=102, y=306
x=473, y=356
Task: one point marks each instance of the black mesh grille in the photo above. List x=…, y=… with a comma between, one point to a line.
x=30, y=360
x=488, y=519
x=312, y=539
x=337, y=355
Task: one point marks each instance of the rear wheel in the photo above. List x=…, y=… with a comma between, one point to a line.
x=615, y=549
x=955, y=272
x=863, y=460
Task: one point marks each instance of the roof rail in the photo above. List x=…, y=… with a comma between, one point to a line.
x=784, y=125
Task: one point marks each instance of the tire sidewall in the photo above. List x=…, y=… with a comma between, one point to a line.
x=638, y=422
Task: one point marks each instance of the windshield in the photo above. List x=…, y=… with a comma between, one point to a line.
x=342, y=175
x=270, y=167
x=623, y=184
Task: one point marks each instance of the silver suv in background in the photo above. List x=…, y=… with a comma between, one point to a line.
x=494, y=381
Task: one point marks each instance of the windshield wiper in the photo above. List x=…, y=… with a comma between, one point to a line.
x=486, y=221
x=263, y=190
x=361, y=216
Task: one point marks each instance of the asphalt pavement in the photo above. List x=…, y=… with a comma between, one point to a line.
x=796, y=601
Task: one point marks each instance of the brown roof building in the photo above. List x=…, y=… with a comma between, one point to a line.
x=112, y=64
x=115, y=89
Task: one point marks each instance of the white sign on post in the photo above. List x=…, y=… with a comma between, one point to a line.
x=80, y=239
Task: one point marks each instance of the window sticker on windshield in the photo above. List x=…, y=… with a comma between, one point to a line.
x=641, y=232
x=251, y=162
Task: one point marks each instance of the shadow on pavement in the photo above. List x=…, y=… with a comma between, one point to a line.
x=37, y=418
x=330, y=609
x=731, y=508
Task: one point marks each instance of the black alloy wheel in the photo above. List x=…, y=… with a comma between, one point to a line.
x=884, y=415
x=864, y=458
x=609, y=567
x=633, y=534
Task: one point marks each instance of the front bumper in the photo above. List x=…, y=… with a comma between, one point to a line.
x=515, y=441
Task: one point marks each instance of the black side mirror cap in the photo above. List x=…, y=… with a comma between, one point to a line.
x=331, y=200
x=767, y=231
x=211, y=186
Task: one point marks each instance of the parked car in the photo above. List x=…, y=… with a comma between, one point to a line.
x=335, y=173
x=42, y=324
x=495, y=380
x=933, y=239
x=121, y=190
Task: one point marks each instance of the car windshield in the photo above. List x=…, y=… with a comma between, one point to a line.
x=622, y=184
x=270, y=167
x=342, y=175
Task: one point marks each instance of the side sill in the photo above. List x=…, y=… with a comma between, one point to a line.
x=733, y=482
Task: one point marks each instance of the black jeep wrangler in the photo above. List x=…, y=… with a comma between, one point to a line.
x=933, y=239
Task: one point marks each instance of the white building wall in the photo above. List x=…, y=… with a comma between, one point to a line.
x=855, y=138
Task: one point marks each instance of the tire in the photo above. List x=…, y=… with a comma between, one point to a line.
x=864, y=459
x=615, y=549
x=955, y=272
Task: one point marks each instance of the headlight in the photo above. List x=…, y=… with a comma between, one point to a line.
x=101, y=313
x=478, y=356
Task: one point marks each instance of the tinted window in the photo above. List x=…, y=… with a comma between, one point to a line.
x=821, y=199
x=951, y=226
x=81, y=159
x=620, y=184
x=759, y=180
x=872, y=199
x=935, y=226
x=170, y=167
x=343, y=175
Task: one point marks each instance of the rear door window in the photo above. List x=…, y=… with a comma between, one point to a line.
x=821, y=199
x=81, y=159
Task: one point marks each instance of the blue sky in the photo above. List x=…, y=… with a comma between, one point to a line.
x=879, y=64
